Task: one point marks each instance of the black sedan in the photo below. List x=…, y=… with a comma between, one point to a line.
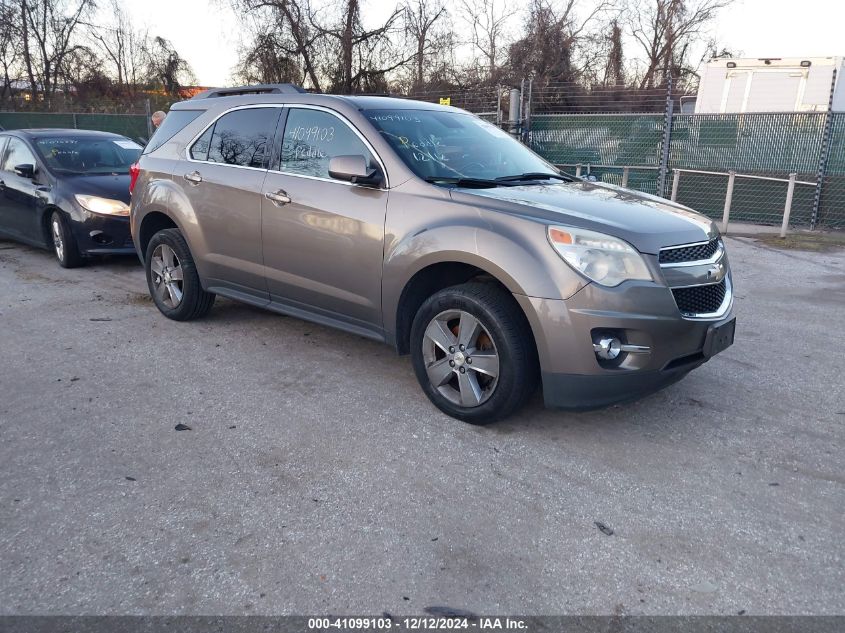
x=67, y=190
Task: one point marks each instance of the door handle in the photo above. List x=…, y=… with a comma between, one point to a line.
x=278, y=198
x=194, y=177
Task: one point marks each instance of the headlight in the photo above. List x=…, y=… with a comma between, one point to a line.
x=103, y=206
x=601, y=258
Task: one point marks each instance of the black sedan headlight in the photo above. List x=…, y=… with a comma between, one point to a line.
x=102, y=206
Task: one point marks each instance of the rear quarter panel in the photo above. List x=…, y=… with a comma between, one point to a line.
x=157, y=188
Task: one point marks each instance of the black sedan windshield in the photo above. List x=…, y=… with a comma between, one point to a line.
x=452, y=146
x=88, y=155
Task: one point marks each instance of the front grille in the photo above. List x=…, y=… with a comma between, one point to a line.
x=692, y=253
x=700, y=299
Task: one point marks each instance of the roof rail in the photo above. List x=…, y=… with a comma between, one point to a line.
x=246, y=90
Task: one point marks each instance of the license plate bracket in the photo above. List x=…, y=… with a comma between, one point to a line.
x=719, y=338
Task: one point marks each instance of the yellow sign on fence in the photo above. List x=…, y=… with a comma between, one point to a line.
x=446, y=101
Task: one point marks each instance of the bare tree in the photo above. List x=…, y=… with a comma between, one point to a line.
x=167, y=67
x=83, y=70
x=123, y=46
x=327, y=43
x=10, y=49
x=48, y=30
x=293, y=33
x=560, y=45
x=422, y=19
x=488, y=21
x=266, y=60
x=614, y=70
x=664, y=29
x=358, y=59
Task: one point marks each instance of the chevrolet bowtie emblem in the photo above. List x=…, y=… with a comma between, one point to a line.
x=715, y=271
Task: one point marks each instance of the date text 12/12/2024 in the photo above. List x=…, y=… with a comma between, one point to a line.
x=388, y=623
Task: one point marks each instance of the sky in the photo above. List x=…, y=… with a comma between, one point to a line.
x=205, y=32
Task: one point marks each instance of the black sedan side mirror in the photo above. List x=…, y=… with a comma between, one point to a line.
x=354, y=169
x=25, y=171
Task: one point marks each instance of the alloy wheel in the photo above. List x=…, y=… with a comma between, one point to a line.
x=460, y=358
x=168, y=279
x=58, y=242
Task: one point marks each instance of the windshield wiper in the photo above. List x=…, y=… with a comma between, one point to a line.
x=534, y=175
x=476, y=183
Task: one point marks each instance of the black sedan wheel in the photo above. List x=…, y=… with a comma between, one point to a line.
x=64, y=244
x=172, y=278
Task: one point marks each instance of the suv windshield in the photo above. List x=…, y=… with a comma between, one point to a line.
x=451, y=145
x=87, y=155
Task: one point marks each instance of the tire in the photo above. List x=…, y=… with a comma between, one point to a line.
x=64, y=243
x=495, y=330
x=172, y=278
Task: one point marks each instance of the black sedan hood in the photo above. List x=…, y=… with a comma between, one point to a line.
x=647, y=222
x=112, y=186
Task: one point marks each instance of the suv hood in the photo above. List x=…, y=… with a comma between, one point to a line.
x=647, y=222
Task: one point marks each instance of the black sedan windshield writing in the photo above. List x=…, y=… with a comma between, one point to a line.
x=88, y=155
x=451, y=146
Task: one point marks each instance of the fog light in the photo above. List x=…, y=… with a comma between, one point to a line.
x=607, y=347
x=101, y=238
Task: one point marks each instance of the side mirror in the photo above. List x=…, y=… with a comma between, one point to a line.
x=354, y=169
x=25, y=171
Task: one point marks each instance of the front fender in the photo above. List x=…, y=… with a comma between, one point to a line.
x=514, y=251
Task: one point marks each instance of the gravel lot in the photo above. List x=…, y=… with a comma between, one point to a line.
x=317, y=478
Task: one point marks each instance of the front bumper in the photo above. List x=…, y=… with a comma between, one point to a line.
x=643, y=314
x=102, y=235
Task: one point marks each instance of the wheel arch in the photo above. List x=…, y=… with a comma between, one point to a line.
x=498, y=250
x=152, y=223
x=44, y=223
x=161, y=205
x=434, y=277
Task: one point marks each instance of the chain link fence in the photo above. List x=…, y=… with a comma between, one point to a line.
x=647, y=140
x=558, y=97
x=22, y=101
x=602, y=145
x=769, y=147
x=485, y=102
x=621, y=136
x=761, y=149
x=831, y=203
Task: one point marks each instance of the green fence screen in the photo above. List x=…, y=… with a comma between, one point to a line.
x=601, y=145
x=133, y=126
x=832, y=199
x=772, y=145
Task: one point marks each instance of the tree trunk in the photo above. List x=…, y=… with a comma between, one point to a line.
x=420, y=60
x=302, y=44
x=27, y=55
x=347, y=45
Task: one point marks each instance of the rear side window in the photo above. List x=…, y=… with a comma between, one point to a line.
x=241, y=137
x=199, y=150
x=173, y=123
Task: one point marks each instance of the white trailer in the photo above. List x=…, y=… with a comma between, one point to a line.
x=789, y=84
